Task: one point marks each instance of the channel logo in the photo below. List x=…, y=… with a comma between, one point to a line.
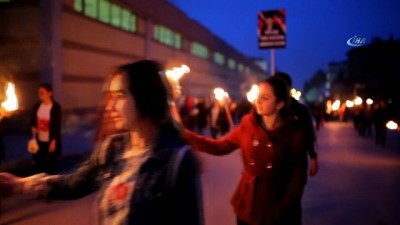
x=356, y=41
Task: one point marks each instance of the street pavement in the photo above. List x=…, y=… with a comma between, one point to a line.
x=358, y=184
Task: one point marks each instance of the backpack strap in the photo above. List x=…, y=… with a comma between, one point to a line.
x=173, y=167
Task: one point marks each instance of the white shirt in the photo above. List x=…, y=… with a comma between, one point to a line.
x=43, y=122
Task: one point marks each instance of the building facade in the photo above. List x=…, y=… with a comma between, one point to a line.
x=73, y=44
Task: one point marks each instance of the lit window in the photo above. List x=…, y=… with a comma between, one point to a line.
x=126, y=15
x=132, y=24
x=167, y=36
x=219, y=58
x=178, y=41
x=78, y=5
x=199, y=50
x=231, y=64
x=240, y=67
x=91, y=8
x=104, y=11
x=115, y=15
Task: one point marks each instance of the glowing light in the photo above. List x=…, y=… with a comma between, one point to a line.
x=329, y=106
x=173, y=75
x=391, y=125
x=220, y=94
x=295, y=93
x=11, y=102
x=358, y=101
x=369, y=101
x=349, y=104
x=253, y=93
x=336, y=105
x=177, y=72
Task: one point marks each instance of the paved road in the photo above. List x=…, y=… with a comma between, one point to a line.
x=358, y=184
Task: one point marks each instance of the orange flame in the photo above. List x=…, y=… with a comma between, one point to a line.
x=11, y=102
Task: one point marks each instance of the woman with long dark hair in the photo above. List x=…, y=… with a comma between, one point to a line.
x=141, y=165
x=273, y=148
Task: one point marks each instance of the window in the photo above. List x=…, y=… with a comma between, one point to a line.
x=90, y=8
x=107, y=12
x=78, y=5
x=231, y=64
x=104, y=11
x=219, y=58
x=240, y=67
x=126, y=15
x=115, y=15
x=178, y=41
x=132, y=24
x=167, y=36
x=199, y=50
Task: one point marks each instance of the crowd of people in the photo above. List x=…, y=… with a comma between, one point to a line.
x=144, y=165
x=370, y=120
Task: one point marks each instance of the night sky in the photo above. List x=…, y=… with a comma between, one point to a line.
x=317, y=31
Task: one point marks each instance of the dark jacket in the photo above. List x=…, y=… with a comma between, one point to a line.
x=154, y=202
x=275, y=169
x=54, y=126
x=301, y=112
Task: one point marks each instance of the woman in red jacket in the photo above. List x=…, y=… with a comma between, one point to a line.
x=273, y=149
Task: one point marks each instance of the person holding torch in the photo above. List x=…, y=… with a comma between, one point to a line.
x=220, y=116
x=273, y=150
x=142, y=168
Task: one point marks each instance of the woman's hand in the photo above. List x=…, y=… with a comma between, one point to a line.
x=38, y=185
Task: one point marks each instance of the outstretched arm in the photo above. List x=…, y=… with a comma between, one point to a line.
x=220, y=146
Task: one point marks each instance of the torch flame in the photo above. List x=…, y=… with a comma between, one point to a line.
x=173, y=75
x=253, y=93
x=11, y=102
x=177, y=72
x=391, y=125
x=220, y=94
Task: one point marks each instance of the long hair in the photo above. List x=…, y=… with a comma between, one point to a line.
x=148, y=86
x=281, y=92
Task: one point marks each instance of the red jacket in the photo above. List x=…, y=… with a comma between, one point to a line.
x=275, y=169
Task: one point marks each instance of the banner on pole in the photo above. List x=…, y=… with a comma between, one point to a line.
x=272, y=29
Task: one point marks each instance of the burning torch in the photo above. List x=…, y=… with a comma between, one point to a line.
x=252, y=95
x=173, y=76
x=221, y=96
x=10, y=104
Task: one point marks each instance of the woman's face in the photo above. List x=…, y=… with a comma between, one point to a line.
x=266, y=103
x=120, y=106
x=44, y=95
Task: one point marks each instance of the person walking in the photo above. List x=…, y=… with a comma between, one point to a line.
x=273, y=149
x=141, y=166
x=380, y=118
x=301, y=113
x=45, y=126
